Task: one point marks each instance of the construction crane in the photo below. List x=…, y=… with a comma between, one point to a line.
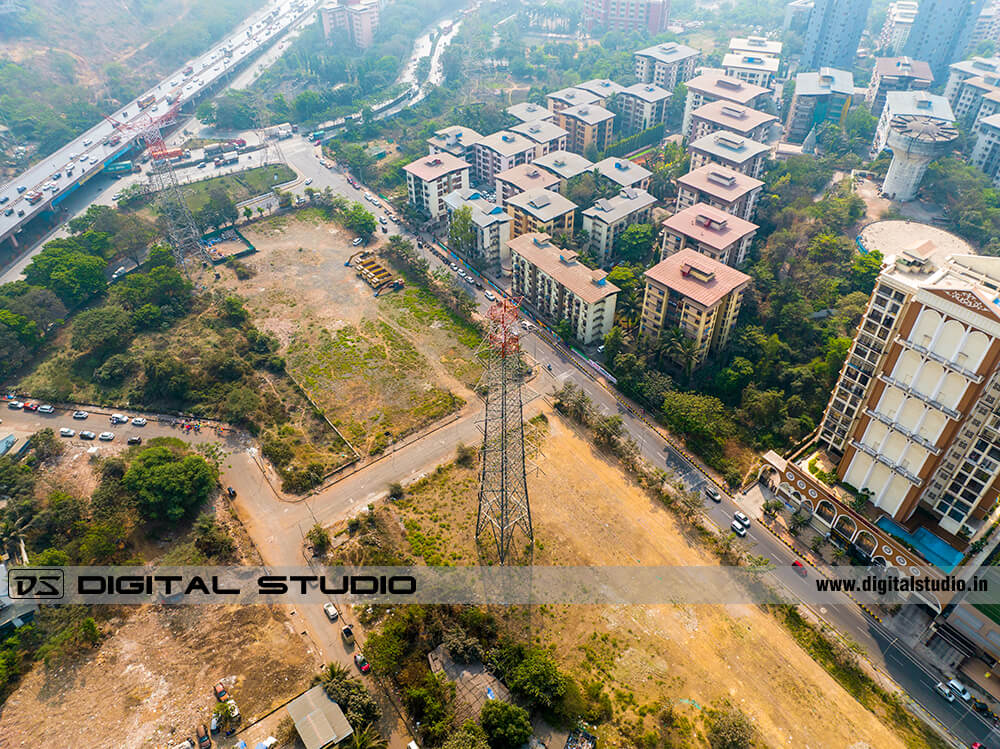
x=185, y=239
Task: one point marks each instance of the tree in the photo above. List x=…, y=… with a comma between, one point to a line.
x=70, y=274
x=166, y=376
x=469, y=736
x=462, y=233
x=102, y=330
x=537, y=679
x=730, y=728
x=507, y=726
x=564, y=329
x=635, y=243
x=607, y=429
x=368, y=738
x=225, y=713
x=360, y=221
x=614, y=341
x=319, y=537
x=211, y=540
x=167, y=485
x=358, y=705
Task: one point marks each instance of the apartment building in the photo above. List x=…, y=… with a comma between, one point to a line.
x=522, y=178
x=529, y=112
x=587, y=124
x=666, y=64
x=896, y=74
x=986, y=151
x=570, y=97
x=557, y=286
x=823, y=96
x=755, y=69
x=649, y=16
x=755, y=45
x=641, y=107
x=708, y=87
x=729, y=150
x=734, y=118
x=456, y=140
x=498, y=152
x=941, y=32
x=710, y=231
x=970, y=84
x=430, y=178
x=720, y=188
x=359, y=18
x=609, y=217
x=564, y=165
x=910, y=103
x=547, y=136
x=540, y=210
x=697, y=295
x=797, y=14
x=986, y=29
x=915, y=414
x=490, y=224
x=899, y=20
x=833, y=34
x=603, y=88
x=959, y=72
x=624, y=173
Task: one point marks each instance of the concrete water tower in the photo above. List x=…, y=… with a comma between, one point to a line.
x=915, y=141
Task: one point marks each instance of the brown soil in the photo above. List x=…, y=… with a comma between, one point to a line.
x=586, y=511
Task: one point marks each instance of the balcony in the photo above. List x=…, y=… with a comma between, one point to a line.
x=892, y=466
x=913, y=436
x=953, y=366
x=951, y=412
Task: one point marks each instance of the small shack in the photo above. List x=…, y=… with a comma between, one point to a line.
x=319, y=720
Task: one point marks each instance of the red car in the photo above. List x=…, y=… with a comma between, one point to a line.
x=362, y=663
x=220, y=692
x=800, y=570
x=978, y=745
x=30, y=406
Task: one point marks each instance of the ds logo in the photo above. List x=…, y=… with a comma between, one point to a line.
x=35, y=584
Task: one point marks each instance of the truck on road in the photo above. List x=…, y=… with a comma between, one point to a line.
x=146, y=101
x=33, y=197
x=119, y=168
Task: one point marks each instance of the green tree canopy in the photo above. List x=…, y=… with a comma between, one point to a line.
x=169, y=485
x=507, y=726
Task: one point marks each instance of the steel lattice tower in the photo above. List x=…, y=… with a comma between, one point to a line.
x=181, y=227
x=503, y=485
x=271, y=150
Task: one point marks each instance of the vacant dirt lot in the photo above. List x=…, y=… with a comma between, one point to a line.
x=380, y=368
x=150, y=682
x=586, y=511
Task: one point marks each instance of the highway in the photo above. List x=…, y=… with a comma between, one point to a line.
x=61, y=173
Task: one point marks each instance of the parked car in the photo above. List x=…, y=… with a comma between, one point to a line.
x=231, y=492
x=744, y=520
x=738, y=529
x=106, y=436
x=133, y=441
x=186, y=744
x=713, y=494
x=220, y=692
x=80, y=415
x=959, y=688
x=331, y=612
x=46, y=409
x=139, y=421
x=309, y=181
x=87, y=435
x=213, y=725
x=348, y=634
x=490, y=295
x=204, y=742
x=119, y=419
x=942, y=689
x=799, y=568
x=15, y=405
x=362, y=663
x=31, y=407
x=67, y=432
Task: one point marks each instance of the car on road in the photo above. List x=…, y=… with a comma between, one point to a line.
x=454, y=267
x=977, y=745
x=106, y=436
x=133, y=441
x=942, y=689
x=799, y=568
x=331, y=611
x=4, y=200
x=31, y=407
x=744, y=520
x=348, y=634
x=119, y=419
x=381, y=220
x=67, y=432
x=202, y=165
x=231, y=492
x=959, y=688
x=80, y=415
x=45, y=408
x=357, y=241
x=309, y=180
x=139, y=421
x=9, y=212
x=220, y=692
x=15, y=405
x=362, y=663
x=87, y=435
x=713, y=494
x=490, y=295
x=738, y=528
x=204, y=742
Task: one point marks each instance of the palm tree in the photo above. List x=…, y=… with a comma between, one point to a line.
x=684, y=351
x=368, y=738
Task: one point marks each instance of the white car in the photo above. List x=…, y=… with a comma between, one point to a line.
x=738, y=528
x=67, y=432
x=46, y=409
x=106, y=436
x=309, y=181
x=959, y=688
x=331, y=611
x=139, y=421
x=87, y=142
x=490, y=295
x=357, y=241
x=942, y=689
x=80, y=415
x=744, y=520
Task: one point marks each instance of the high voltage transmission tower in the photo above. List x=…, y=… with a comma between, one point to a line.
x=503, y=485
x=271, y=150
